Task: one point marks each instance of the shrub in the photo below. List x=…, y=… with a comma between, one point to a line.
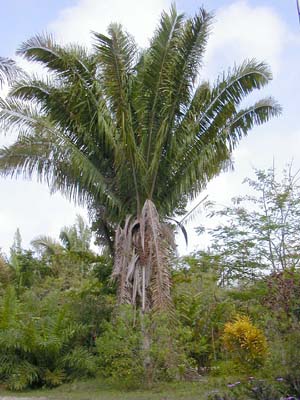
x=245, y=342
x=120, y=353
x=136, y=350
x=283, y=363
x=40, y=343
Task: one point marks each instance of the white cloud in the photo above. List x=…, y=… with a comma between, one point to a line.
x=139, y=17
x=28, y=206
x=240, y=32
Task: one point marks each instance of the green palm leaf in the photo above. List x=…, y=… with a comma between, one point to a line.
x=8, y=70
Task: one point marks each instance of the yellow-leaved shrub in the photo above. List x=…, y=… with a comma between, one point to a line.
x=246, y=343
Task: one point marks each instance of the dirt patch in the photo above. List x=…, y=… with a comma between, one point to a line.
x=22, y=398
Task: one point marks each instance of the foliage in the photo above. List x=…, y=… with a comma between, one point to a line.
x=8, y=71
x=74, y=241
x=261, y=230
x=202, y=309
x=40, y=343
x=283, y=296
x=122, y=351
x=62, y=326
x=28, y=269
x=52, y=307
x=6, y=272
x=92, y=304
x=245, y=342
x=119, y=350
x=283, y=361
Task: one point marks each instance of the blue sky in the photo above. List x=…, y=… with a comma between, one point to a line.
x=22, y=19
x=267, y=30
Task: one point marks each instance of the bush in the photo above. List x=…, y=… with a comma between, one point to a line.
x=202, y=308
x=120, y=352
x=283, y=362
x=40, y=344
x=245, y=342
x=136, y=350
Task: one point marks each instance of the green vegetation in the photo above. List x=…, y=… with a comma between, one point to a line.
x=95, y=389
x=130, y=134
x=59, y=323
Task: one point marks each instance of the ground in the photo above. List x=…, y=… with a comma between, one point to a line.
x=96, y=390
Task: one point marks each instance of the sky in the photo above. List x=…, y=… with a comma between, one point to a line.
x=267, y=30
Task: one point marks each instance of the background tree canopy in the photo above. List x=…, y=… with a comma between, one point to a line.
x=259, y=232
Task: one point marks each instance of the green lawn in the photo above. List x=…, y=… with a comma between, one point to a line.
x=97, y=390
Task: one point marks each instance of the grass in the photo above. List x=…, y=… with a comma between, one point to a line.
x=99, y=390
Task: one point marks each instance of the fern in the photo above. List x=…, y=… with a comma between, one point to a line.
x=54, y=378
x=79, y=361
x=40, y=342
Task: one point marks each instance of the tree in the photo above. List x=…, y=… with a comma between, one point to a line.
x=130, y=132
x=72, y=253
x=75, y=238
x=261, y=230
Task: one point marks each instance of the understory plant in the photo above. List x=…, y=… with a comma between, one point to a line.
x=40, y=343
x=122, y=352
x=245, y=343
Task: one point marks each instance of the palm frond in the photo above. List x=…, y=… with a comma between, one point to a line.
x=46, y=245
x=257, y=114
x=211, y=153
x=190, y=49
x=8, y=70
x=71, y=64
x=190, y=215
x=182, y=228
x=206, y=121
x=155, y=75
x=32, y=89
x=116, y=59
x=116, y=56
x=55, y=160
x=227, y=93
x=66, y=62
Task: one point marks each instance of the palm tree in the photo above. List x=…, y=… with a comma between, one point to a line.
x=72, y=250
x=131, y=134
x=76, y=238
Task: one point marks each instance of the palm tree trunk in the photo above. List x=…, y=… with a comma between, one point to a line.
x=146, y=347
